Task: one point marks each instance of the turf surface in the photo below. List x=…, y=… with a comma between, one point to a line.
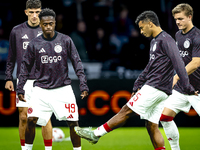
x=129, y=138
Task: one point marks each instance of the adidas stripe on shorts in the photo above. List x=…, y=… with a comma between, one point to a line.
x=60, y=101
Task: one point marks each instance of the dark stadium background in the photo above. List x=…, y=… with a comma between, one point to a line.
x=114, y=83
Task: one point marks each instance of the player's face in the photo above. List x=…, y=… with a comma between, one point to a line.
x=182, y=21
x=48, y=24
x=33, y=19
x=145, y=28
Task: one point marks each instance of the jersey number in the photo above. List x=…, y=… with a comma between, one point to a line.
x=70, y=107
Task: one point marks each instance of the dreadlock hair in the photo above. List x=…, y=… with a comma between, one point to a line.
x=47, y=12
x=33, y=4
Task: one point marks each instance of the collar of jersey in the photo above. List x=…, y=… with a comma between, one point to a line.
x=159, y=34
x=188, y=31
x=31, y=26
x=51, y=39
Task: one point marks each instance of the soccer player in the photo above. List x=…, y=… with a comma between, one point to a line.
x=52, y=92
x=153, y=85
x=188, y=41
x=20, y=37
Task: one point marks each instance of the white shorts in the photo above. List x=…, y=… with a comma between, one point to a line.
x=148, y=102
x=60, y=101
x=28, y=88
x=182, y=102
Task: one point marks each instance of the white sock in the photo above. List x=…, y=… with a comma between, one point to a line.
x=100, y=131
x=28, y=146
x=23, y=147
x=172, y=134
x=76, y=148
x=48, y=147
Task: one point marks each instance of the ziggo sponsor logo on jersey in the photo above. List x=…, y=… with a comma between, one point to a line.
x=50, y=59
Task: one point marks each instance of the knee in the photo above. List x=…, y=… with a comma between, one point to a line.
x=23, y=117
x=126, y=111
x=32, y=121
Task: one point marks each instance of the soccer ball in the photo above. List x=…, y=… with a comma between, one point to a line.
x=58, y=135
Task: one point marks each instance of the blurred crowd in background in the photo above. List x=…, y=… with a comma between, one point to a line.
x=103, y=31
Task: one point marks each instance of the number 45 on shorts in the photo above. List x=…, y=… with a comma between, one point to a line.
x=70, y=107
x=135, y=98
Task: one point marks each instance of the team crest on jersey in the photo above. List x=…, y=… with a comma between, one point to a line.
x=186, y=43
x=58, y=48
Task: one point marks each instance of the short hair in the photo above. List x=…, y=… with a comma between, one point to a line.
x=147, y=16
x=183, y=7
x=33, y=4
x=47, y=12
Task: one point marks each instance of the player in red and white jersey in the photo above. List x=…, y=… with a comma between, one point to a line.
x=52, y=92
x=188, y=42
x=20, y=37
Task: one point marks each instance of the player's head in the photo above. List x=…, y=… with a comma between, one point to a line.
x=47, y=22
x=183, y=14
x=146, y=22
x=33, y=8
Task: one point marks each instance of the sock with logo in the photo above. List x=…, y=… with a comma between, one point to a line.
x=102, y=130
x=48, y=144
x=172, y=134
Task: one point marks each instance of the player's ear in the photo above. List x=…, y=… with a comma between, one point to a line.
x=26, y=12
x=150, y=24
x=190, y=17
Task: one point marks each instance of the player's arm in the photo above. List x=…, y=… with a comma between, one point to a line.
x=26, y=66
x=172, y=51
x=10, y=64
x=190, y=68
x=140, y=81
x=78, y=68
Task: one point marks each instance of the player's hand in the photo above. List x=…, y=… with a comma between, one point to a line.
x=84, y=94
x=134, y=92
x=196, y=93
x=9, y=86
x=175, y=80
x=21, y=97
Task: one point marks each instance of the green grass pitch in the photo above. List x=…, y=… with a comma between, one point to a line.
x=127, y=138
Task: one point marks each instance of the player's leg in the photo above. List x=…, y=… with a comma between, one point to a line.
x=47, y=135
x=30, y=132
x=22, y=124
x=76, y=140
x=115, y=122
x=174, y=104
x=170, y=128
x=155, y=135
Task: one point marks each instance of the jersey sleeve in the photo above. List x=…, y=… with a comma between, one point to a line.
x=169, y=46
x=140, y=80
x=10, y=64
x=196, y=47
x=77, y=65
x=26, y=66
